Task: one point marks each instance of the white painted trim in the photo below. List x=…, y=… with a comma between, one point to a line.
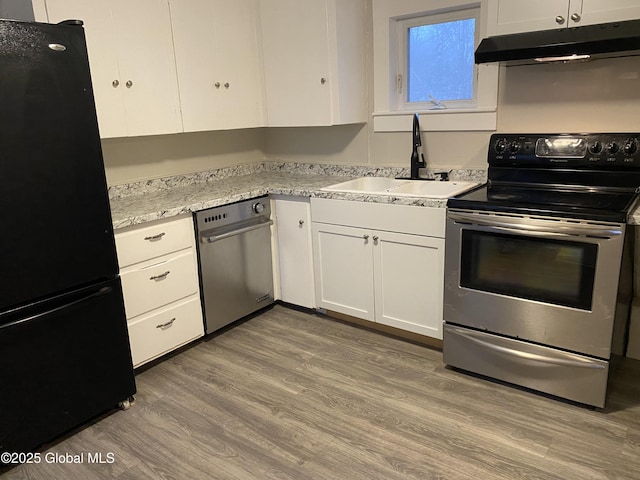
x=386, y=118
x=441, y=121
x=40, y=11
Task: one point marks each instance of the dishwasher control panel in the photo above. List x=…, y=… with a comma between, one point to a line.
x=257, y=209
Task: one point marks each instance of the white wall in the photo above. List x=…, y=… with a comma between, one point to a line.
x=142, y=158
x=602, y=95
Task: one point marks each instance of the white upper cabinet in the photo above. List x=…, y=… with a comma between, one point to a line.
x=217, y=57
x=516, y=16
x=603, y=11
x=314, y=61
x=132, y=63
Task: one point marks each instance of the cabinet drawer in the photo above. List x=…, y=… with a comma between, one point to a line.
x=165, y=330
x=143, y=243
x=156, y=284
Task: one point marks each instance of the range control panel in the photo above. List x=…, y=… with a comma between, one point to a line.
x=575, y=150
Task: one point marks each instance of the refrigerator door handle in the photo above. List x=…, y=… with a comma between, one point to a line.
x=98, y=293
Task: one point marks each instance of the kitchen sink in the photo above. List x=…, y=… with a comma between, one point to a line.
x=406, y=188
x=373, y=185
x=418, y=188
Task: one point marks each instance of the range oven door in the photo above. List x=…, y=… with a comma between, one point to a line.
x=549, y=281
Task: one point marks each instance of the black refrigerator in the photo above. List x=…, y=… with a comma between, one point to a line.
x=64, y=348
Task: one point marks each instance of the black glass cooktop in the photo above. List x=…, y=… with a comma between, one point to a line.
x=587, y=204
x=590, y=176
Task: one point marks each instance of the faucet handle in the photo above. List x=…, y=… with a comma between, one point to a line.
x=443, y=176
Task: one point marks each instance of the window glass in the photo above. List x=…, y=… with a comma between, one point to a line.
x=440, y=63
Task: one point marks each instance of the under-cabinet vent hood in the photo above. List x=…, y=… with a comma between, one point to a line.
x=565, y=44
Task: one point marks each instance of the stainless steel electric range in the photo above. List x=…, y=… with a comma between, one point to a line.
x=538, y=263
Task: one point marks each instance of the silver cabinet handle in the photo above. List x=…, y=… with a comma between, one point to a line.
x=559, y=19
x=376, y=238
x=155, y=237
x=575, y=17
x=129, y=84
x=217, y=84
x=115, y=83
x=366, y=237
x=168, y=324
x=300, y=222
x=162, y=276
x=226, y=85
x=323, y=81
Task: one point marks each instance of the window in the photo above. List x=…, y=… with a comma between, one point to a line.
x=437, y=70
x=423, y=62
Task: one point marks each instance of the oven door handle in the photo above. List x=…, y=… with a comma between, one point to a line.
x=579, y=363
x=553, y=229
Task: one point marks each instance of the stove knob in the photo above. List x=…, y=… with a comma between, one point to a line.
x=596, y=147
x=612, y=148
x=258, y=207
x=514, y=147
x=501, y=146
x=630, y=147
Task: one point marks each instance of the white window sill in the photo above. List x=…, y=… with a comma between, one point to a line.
x=436, y=121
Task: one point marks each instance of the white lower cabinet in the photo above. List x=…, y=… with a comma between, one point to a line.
x=159, y=273
x=159, y=281
x=380, y=262
x=164, y=330
x=294, y=265
x=344, y=269
x=409, y=279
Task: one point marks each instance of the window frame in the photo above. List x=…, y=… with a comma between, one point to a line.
x=386, y=115
x=402, y=73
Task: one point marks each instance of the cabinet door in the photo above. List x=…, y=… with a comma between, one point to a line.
x=600, y=11
x=147, y=66
x=132, y=63
x=217, y=91
x=295, y=257
x=409, y=273
x=295, y=51
x=515, y=16
x=96, y=15
x=343, y=267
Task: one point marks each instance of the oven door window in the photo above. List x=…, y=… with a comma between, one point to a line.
x=551, y=271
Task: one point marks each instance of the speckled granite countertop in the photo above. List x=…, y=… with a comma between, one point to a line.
x=156, y=199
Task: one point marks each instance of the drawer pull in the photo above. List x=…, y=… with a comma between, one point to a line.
x=168, y=324
x=155, y=237
x=162, y=276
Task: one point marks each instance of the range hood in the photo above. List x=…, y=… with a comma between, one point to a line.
x=565, y=44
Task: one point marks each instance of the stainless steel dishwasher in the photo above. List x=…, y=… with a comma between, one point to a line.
x=234, y=251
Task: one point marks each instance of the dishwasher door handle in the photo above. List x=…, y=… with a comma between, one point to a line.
x=215, y=238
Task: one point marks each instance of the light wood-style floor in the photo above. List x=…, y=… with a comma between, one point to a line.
x=289, y=395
